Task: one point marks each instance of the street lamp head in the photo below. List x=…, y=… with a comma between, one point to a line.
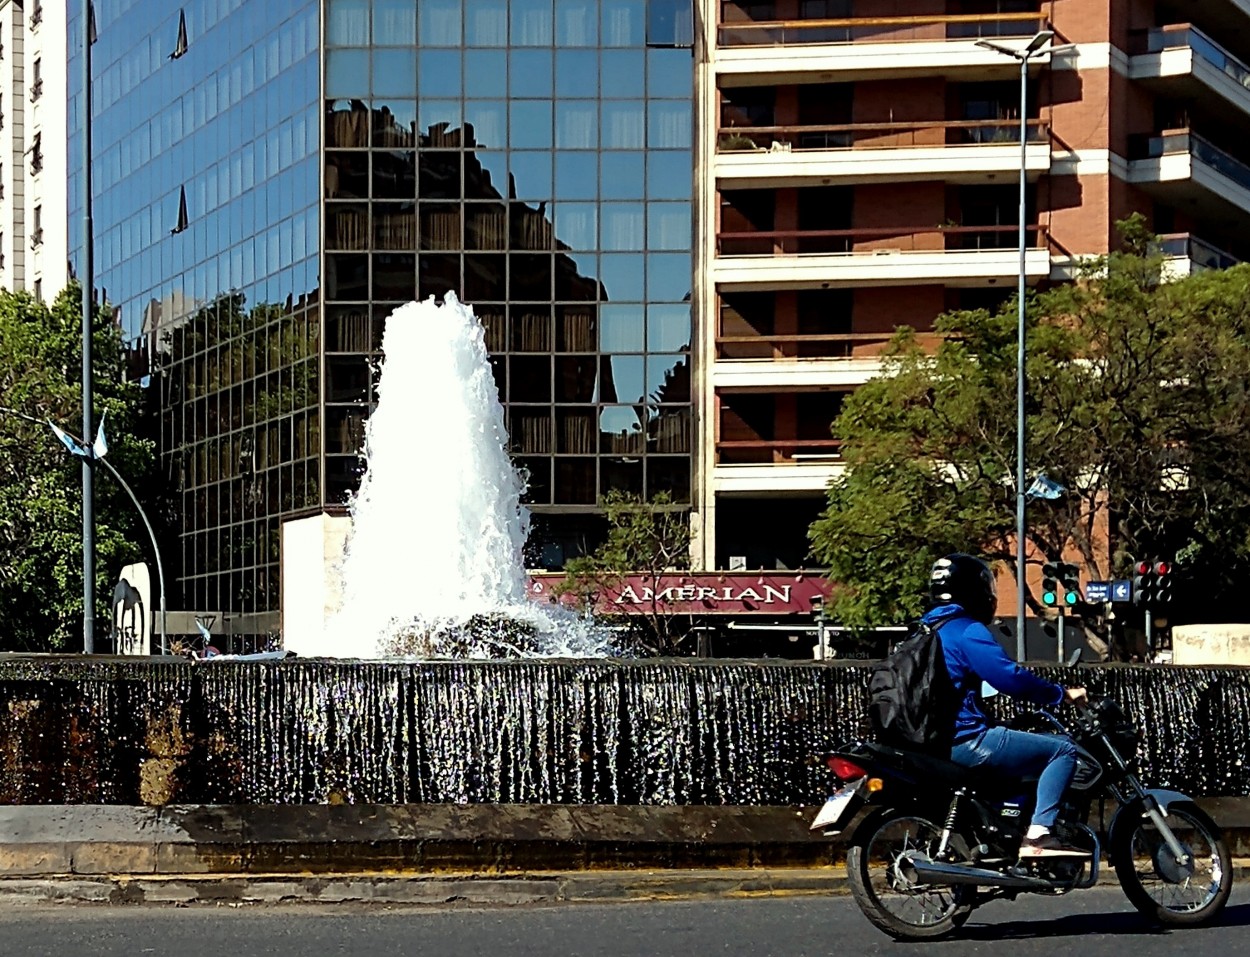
x=1039, y=41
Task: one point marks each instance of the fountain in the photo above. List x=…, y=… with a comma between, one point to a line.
x=433, y=565
x=434, y=571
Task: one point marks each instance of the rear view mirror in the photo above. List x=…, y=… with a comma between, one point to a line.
x=1074, y=658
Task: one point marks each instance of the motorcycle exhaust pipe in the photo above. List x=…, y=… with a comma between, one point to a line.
x=935, y=872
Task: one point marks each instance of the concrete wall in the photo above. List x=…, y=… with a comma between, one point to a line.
x=1211, y=644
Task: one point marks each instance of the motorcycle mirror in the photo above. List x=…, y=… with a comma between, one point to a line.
x=1074, y=658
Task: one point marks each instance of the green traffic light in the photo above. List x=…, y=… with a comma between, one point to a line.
x=1049, y=598
x=1071, y=597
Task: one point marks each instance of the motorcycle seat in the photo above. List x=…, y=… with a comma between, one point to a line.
x=927, y=769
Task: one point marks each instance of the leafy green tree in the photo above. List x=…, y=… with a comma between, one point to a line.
x=1137, y=405
x=649, y=540
x=41, y=484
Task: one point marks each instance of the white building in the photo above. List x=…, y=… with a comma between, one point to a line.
x=33, y=239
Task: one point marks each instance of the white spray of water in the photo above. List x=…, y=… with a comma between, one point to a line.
x=438, y=526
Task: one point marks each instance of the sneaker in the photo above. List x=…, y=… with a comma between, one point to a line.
x=1048, y=846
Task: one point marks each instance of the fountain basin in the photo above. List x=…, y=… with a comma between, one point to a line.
x=80, y=730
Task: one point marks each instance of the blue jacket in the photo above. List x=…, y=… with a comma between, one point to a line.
x=972, y=656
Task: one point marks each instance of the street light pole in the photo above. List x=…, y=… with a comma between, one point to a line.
x=1023, y=55
x=96, y=453
x=88, y=289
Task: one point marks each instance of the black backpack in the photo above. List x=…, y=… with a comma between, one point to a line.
x=912, y=701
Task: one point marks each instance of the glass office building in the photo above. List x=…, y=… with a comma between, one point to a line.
x=273, y=179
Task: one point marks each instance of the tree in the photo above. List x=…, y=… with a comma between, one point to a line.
x=1138, y=407
x=647, y=541
x=40, y=483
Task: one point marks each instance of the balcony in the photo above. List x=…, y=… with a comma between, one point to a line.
x=957, y=151
x=1182, y=62
x=1185, y=253
x=36, y=90
x=865, y=48
x=812, y=259
x=36, y=238
x=1180, y=167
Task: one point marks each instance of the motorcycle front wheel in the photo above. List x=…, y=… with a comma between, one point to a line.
x=876, y=867
x=1179, y=894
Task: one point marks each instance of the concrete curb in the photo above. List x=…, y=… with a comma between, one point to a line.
x=480, y=890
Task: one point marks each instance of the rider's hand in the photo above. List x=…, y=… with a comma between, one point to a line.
x=1076, y=696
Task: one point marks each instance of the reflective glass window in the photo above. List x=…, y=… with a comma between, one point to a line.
x=577, y=23
x=395, y=73
x=347, y=75
x=394, y=22
x=440, y=22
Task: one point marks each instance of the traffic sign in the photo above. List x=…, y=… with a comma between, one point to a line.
x=1097, y=592
x=1122, y=590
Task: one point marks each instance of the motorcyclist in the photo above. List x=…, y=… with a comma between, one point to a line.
x=963, y=599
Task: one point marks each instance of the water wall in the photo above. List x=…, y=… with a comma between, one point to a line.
x=662, y=732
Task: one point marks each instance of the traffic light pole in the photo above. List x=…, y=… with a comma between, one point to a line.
x=1062, y=618
x=1150, y=635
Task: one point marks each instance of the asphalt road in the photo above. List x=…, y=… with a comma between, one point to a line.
x=1092, y=924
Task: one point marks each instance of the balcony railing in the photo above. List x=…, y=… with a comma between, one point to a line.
x=1200, y=150
x=825, y=242
x=834, y=345
x=879, y=29
x=36, y=238
x=1181, y=35
x=1198, y=251
x=880, y=135
x=777, y=451
x=36, y=90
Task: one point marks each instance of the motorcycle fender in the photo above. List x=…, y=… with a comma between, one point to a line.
x=1163, y=798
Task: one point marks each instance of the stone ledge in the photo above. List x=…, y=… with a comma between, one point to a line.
x=40, y=840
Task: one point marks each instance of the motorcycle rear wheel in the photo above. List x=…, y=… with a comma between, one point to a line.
x=1150, y=877
x=875, y=865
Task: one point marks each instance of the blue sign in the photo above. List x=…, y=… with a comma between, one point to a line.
x=1122, y=590
x=1097, y=592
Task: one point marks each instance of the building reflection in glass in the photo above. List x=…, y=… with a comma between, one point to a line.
x=533, y=156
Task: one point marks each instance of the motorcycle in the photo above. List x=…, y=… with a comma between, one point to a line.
x=937, y=840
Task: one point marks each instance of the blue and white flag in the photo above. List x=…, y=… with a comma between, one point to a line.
x=1044, y=487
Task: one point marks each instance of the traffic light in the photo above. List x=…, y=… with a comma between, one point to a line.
x=1164, y=573
x=1070, y=579
x=1143, y=584
x=1050, y=584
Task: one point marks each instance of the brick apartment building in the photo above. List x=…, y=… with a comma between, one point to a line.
x=863, y=163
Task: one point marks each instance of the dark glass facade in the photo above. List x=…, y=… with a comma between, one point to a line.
x=534, y=157
x=256, y=220
x=207, y=235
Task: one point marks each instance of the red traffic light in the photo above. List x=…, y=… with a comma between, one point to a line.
x=1143, y=568
x=1162, y=568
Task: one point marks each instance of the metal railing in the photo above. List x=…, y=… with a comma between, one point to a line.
x=1198, y=251
x=776, y=451
x=869, y=242
x=1181, y=35
x=879, y=135
x=879, y=29
x=1201, y=150
x=833, y=345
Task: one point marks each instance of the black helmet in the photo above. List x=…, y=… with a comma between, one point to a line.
x=966, y=581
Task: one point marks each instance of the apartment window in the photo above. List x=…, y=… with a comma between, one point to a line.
x=36, y=234
x=1, y=251
x=36, y=153
x=36, y=14
x=39, y=290
x=36, y=85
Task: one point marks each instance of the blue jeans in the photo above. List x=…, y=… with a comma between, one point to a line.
x=1019, y=754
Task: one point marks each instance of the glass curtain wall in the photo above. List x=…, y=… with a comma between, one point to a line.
x=534, y=157
x=206, y=175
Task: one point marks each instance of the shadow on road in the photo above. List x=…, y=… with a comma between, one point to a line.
x=1080, y=925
